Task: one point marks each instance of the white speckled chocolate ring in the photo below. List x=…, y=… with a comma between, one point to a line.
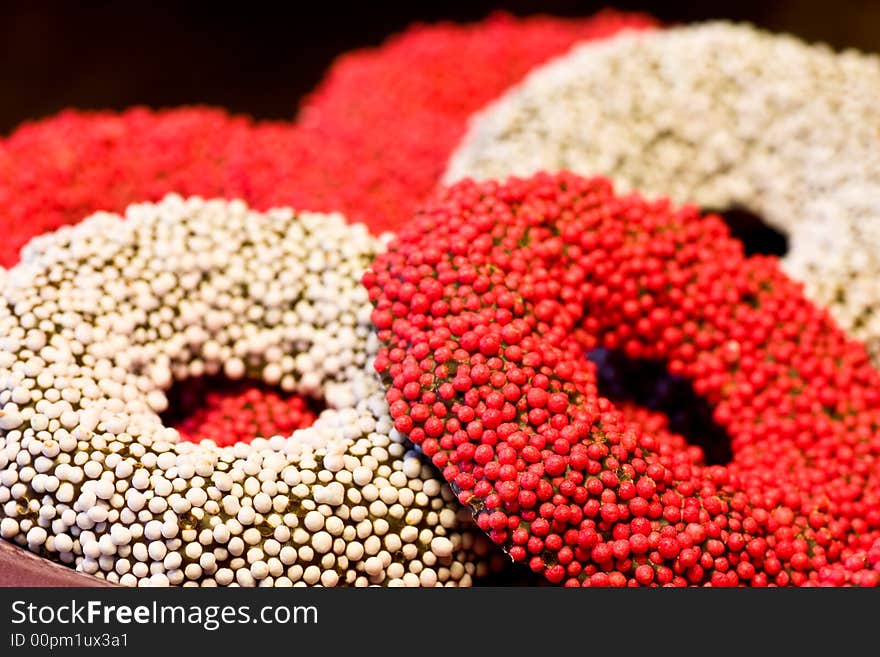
x=99, y=319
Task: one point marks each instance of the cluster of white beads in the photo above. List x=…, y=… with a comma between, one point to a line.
x=723, y=116
x=99, y=319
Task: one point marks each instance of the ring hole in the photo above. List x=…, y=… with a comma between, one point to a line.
x=229, y=411
x=758, y=237
x=513, y=574
x=648, y=383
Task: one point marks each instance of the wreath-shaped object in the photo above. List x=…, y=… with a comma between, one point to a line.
x=487, y=305
x=98, y=320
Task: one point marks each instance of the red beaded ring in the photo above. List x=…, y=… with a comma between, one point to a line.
x=399, y=111
x=487, y=304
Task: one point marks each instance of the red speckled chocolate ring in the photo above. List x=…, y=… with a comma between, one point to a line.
x=489, y=301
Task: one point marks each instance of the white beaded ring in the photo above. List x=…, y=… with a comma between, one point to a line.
x=724, y=116
x=99, y=319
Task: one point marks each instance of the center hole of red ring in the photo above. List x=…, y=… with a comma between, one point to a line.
x=758, y=237
x=649, y=384
x=227, y=411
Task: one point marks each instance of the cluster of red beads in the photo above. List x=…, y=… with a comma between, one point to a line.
x=232, y=412
x=60, y=170
x=486, y=305
x=403, y=108
x=371, y=142
x=669, y=445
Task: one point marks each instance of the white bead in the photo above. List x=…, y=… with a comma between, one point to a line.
x=322, y=542
x=373, y=566
x=314, y=521
x=36, y=536
x=8, y=528
x=157, y=550
x=441, y=546
x=10, y=420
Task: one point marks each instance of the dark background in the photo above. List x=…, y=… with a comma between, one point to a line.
x=260, y=58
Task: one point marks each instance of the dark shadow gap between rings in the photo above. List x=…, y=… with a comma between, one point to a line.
x=649, y=384
x=758, y=237
x=513, y=574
